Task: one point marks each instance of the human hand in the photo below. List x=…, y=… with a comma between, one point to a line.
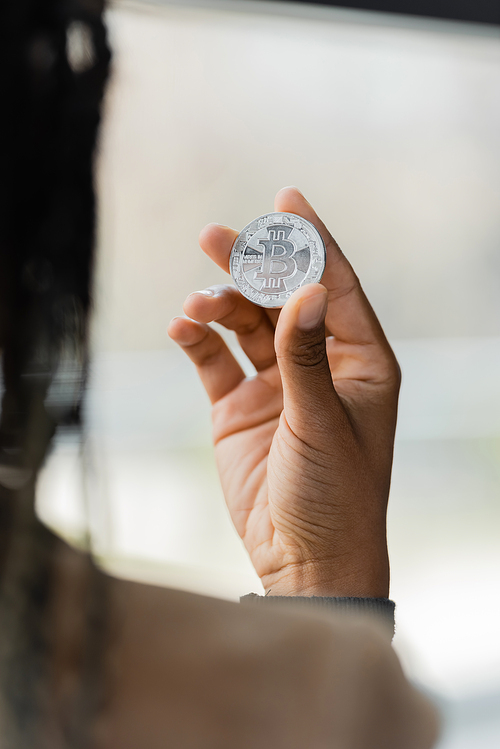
x=304, y=448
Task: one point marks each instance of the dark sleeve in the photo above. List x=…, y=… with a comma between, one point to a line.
x=379, y=608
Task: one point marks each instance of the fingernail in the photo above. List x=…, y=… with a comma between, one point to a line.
x=312, y=310
x=204, y=292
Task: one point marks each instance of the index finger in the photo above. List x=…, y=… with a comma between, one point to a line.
x=350, y=317
x=216, y=241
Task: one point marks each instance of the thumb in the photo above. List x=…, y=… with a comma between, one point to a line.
x=312, y=407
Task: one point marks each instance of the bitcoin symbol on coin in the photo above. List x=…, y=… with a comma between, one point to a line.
x=277, y=263
x=274, y=255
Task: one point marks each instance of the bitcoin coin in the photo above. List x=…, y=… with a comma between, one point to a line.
x=274, y=256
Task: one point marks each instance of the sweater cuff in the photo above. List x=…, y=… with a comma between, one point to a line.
x=378, y=608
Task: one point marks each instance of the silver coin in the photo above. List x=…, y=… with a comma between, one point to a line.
x=274, y=256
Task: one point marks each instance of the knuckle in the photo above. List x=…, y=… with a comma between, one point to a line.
x=397, y=374
x=247, y=327
x=388, y=369
x=393, y=371
x=308, y=353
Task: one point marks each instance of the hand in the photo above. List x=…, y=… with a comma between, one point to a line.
x=304, y=448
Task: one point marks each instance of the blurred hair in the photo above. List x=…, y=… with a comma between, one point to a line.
x=54, y=61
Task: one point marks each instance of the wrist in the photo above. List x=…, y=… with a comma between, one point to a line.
x=322, y=578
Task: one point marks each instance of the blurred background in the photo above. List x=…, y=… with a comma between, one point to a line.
x=390, y=128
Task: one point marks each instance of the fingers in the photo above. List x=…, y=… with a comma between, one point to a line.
x=312, y=407
x=218, y=369
x=225, y=305
x=291, y=200
x=350, y=317
x=216, y=241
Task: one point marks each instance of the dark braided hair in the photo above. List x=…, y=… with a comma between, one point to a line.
x=54, y=62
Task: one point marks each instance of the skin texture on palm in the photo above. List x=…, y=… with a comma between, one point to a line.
x=304, y=448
